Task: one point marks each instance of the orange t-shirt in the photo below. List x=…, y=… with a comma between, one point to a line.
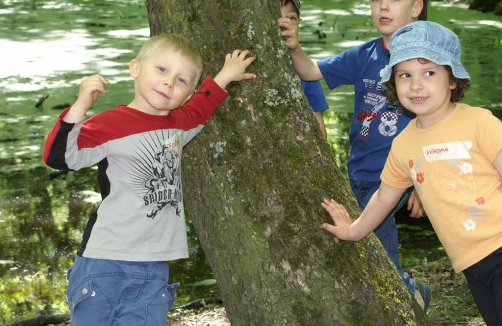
x=450, y=165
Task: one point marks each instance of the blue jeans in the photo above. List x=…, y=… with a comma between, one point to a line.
x=387, y=231
x=105, y=292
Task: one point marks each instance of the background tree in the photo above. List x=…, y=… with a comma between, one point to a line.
x=254, y=180
x=494, y=6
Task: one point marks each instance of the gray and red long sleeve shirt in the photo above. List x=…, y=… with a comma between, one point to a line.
x=141, y=216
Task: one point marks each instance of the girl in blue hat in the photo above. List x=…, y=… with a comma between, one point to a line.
x=451, y=153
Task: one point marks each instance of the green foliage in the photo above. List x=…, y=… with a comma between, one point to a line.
x=43, y=212
x=452, y=301
x=494, y=6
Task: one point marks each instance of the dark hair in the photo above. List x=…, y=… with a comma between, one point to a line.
x=462, y=85
x=285, y=2
x=423, y=13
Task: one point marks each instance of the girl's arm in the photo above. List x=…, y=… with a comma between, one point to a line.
x=379, y=206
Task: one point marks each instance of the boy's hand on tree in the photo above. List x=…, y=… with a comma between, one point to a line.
x=90, y=88
x=289, y=31
x=340, y=217
x=234, y=68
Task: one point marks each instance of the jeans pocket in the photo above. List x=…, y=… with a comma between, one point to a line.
x=158, y=308
x=166, y=296
x=87, y=301
x=171, y=291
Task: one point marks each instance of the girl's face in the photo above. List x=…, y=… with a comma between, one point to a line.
x=424, y=88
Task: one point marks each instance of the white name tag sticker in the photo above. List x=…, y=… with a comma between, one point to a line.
x=447, y=151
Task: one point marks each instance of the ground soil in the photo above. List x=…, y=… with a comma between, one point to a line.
x=452, y=303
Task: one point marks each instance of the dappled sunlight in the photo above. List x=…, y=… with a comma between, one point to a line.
x=89, y=196
x=35, y=84
x=312, y=49
x=143, y=32
x=491, y=23
x=23, y=150
x=42, y=58
x=68, y=6
x=340, y=97
x=47, y=51
x=475, y=24
x=16, y=99
x=448, y=4
x=362, y=8
x=350, y=43
x=337, y=12
x=20, y=150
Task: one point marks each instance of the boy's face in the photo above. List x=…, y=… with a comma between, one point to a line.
x=389, y=15
x=164, y=81
x=289, y=11
x=424, y=88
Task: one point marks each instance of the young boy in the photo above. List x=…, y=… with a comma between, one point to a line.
x=375, y=122
x=120, y=275
x=451, y=153
x=290, y=9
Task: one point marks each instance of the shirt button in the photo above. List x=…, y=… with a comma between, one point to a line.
x=207, y=93
x=84, y=291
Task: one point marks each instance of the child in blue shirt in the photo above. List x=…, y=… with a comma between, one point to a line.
x=375, y=122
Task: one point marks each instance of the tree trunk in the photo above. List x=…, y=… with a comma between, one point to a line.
x=254, y=179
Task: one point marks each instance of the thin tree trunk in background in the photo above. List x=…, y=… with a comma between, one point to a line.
x=254, y=180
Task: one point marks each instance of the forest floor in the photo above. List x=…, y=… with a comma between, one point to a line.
x=451, y=305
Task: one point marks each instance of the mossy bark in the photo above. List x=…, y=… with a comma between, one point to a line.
x=254, y=179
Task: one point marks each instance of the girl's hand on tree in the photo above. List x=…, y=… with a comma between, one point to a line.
x=234, y=68
x=90, y=88
x=340, y=217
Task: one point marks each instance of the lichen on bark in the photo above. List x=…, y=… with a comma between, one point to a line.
x=254, y=179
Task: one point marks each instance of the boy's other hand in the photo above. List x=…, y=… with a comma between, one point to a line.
x=289, y=31
x=234, y=68
x=90, y=88
x=340, y=217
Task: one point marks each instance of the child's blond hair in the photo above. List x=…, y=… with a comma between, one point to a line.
x=174, y=42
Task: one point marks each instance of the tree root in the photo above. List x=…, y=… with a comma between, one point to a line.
x=43, y=321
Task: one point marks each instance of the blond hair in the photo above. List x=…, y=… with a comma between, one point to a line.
x=174, y=42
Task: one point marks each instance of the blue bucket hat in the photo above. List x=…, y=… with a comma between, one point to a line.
x=427, y=40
